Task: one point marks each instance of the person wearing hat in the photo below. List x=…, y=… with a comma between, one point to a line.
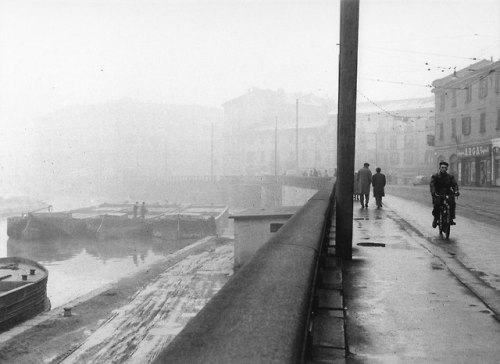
x=364, y=180
x=442, y=183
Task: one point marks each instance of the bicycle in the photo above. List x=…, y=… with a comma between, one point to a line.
x=444, y=221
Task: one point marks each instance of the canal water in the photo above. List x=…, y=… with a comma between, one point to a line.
x=79, y=266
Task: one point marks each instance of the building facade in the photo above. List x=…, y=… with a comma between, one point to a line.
x=468, y=123
x=271, y=132
x=394, y=135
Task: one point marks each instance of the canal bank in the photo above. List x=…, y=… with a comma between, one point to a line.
x=53, y=337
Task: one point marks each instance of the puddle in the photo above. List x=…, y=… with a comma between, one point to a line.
x=372, y=244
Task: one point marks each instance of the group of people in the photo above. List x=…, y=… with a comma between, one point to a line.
x=142, y=208
x=315, y=173
x=442, y=183
x=364, y=180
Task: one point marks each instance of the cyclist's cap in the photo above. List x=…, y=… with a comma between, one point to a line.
x=443, y=163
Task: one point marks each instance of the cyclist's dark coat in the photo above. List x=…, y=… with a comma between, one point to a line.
x=443, y=183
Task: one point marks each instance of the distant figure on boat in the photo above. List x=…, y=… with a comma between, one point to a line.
x=143, y=210
x=136, y=209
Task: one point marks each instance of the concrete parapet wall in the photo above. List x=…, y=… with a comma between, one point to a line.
x=261, y=315
x=296, y=196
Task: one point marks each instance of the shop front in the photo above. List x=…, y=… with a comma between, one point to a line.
x=474, y=165
x=496, y=161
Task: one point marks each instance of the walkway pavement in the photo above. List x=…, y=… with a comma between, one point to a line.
x=413, y=297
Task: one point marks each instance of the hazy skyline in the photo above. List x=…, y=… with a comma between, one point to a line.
x=59, y=53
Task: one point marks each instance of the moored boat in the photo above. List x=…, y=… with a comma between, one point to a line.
x=110, y=221
x=23, y=290
x=191, y=222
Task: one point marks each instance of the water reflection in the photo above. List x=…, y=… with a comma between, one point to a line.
x=58, y=250
x=79, y=266
x=46, y=251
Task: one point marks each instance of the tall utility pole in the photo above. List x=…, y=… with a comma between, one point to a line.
x=212, y=152
x=276, y=148
x=297, y=134
x=346, y=125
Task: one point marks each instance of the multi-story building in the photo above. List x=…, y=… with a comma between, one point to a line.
x=272, y=132
x=262, y=135
x=468, y=123
x=393, y=135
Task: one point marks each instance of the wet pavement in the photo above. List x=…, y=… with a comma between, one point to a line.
x=415, y=297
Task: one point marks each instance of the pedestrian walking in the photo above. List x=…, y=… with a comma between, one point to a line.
x=143, y=210
x=378, y=182
x=136, y=209
x=364, y=184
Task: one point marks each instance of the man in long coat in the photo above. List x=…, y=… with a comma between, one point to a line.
x=364, y=183
x=378, y=182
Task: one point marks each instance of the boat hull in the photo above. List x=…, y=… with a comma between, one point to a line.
x=118, y=221
x=23, y=290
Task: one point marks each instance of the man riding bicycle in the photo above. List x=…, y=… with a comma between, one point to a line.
x=443, y=183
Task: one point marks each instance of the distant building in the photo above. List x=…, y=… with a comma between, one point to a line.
x=260, y=133
x=396, y=135
x=468, y=123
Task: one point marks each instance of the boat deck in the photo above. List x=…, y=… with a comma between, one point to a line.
x=15, y=274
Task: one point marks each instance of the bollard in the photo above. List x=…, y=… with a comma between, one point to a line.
x=32, y=272
x=67, y=311
x=24, y=277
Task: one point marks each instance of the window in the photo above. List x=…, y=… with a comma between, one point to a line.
x=430, y=140
x=275, y=226
x=441, y=131
x=468, y=94
x=453, y=98
x=482, y=122
x=466, y=125
x=453, y=129
x=483, y=87
x=442, y=101
x=498, y=119
x=497, y=81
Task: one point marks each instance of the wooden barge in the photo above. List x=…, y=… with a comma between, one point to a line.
x=23, y=290
x=108, y=221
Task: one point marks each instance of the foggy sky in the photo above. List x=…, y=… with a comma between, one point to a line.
x=61, y=53
x=56, y=53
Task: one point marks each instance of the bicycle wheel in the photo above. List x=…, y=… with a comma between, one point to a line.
x=446, y=230
x=441, y=221
x=446, y=221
